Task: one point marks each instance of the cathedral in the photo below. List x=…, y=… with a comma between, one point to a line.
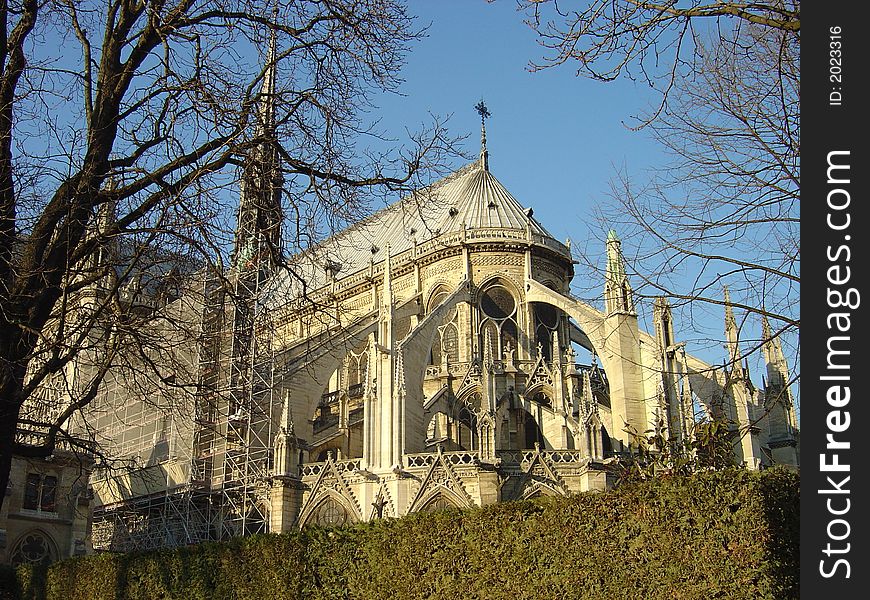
x=429, y=356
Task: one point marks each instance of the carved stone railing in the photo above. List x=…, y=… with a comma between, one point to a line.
x=556, y=456
x=459, y=458
x=524, y=457
x=312, y=470
x=510, y=457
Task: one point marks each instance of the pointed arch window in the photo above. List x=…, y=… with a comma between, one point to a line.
x=331, y=513
x=357, y=371
x=445, y=348
x=546, y=322
x=34, y=547
x=498, y=320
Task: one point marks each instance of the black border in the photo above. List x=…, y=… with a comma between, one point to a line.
x=826, y=128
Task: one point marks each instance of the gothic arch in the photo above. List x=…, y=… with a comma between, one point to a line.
x=437, y=287
x=439, y=500
x=434, y=494
x=34, y=546
x=329, y=501
x=538, y=489
x=534, y=393
x=499, y=316
x=514, y=287
x=446, y=342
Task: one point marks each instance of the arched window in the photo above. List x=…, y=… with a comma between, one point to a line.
x=546, y=322
x=498, y=320
x=466, y=428
x=357, y=372
x=33, y=547
x=446, y=344
x=438, y=502
x=330, y=513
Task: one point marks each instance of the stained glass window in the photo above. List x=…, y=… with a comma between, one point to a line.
x=498, y=326
x=331, y=513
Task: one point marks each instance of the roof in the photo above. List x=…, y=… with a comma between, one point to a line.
x=469, y=199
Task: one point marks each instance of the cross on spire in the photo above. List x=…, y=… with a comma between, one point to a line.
x=484, y=113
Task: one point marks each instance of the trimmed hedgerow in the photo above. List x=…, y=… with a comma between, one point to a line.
x=729, y=534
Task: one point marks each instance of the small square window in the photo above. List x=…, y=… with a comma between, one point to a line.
x=40, y=492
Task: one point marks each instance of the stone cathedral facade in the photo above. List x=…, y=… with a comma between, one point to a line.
x=433, y=359
x=431, y=355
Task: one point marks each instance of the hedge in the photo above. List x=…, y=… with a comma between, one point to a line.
x=731, y=534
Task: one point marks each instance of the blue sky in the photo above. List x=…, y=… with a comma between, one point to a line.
x=553, y=138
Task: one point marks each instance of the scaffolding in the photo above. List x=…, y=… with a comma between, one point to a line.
x=226, y=494
x=176, y=517
x=250, y=415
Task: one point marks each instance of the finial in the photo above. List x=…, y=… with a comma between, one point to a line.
x=766, y=332
x=730, y=321
x=267, y=90
x=484, y=113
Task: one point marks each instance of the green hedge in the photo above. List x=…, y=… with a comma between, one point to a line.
x=726, y=535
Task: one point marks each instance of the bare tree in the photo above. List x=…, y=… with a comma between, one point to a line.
x=723, y=209
x=123, y=125
x=651, y=41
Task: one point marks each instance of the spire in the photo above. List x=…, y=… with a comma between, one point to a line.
x=663, y=322
x=555, y=349
x=588, y=399
x=258, y=234
x=617, y=290
x=615, y=260
x=484, y=113
x=731, y=334
x=777, y=366
x=266, y=124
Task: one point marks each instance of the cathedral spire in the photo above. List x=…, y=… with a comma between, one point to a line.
x=663, y=322
x=258, y=233
x=731, y=333
x=777, y=366
x=617, y=290
x=266, y=123
x=484, y=113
